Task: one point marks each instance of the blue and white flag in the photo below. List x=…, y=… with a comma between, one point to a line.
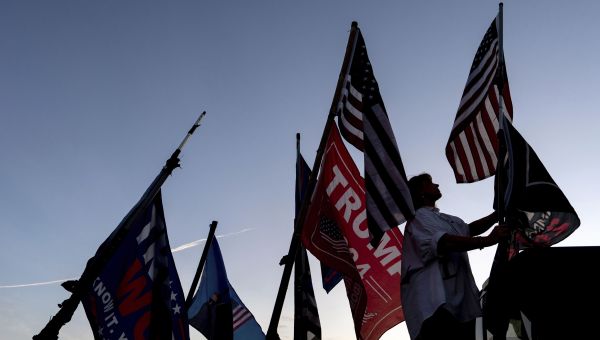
x=216, y=310
x=138, y=294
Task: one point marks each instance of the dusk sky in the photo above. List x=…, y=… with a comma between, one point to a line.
x=96, y=95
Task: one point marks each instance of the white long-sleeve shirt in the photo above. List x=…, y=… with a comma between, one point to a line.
x=430, y=279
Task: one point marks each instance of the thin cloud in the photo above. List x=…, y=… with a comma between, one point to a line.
x=173, y=250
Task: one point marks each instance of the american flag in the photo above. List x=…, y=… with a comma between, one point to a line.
x=332, y=234
x=364, y=123
x=472, y=148
x=240, y=315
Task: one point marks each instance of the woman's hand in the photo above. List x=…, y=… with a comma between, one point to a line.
x=500, y=233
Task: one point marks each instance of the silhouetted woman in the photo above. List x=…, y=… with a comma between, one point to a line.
x=439, y=294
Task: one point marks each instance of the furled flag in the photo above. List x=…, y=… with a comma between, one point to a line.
x=335, y=232
x=533, y=202
x=472, y=148
x=307, y=325
x=365, y=124
x=330, y=277
x=138, y=294
x=216, y=310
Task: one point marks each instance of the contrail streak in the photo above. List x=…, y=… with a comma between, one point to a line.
x=197, y=242
x=173, y=250
x=38, y=283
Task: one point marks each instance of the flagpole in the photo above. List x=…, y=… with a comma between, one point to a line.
x=312, y=180
x=501, y=252
x=501, y=117
x=297, y=301
x=493, y=307
x=207, y=245
x=106, y=250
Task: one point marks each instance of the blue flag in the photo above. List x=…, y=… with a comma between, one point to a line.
x=138, y=294
x=216, y=310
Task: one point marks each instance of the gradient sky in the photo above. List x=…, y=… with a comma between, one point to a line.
x=96, y=95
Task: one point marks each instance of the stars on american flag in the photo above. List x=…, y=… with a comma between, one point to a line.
x=364, y=74
x=472, y=148
x=174, y=302
x=490, y=37
x=331, y=233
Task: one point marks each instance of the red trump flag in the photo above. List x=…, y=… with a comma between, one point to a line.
x=336, y=232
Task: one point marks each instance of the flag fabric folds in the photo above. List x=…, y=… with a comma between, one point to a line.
x=533, y=201
x=330, y=278
x=216, y=310
x=472, y=148
x=335, y=232
x=537, y=209
x=138, y=294
x=364, y=123
x=307, y=325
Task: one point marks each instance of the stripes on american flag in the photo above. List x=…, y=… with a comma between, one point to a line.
x=364, y=123
x=240, y=315
x=472, y=148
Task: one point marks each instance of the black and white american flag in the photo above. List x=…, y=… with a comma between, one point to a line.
x=364, y=123
x=472, y=148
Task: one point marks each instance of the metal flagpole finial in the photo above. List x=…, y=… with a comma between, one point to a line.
x=194, y=127
x=173, y=161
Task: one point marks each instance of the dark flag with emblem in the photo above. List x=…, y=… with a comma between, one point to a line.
x=472, y=148
x=307, y=325
x=540, y=214
x=138, y=294
x=533, y=202
x=216, y=310
x=364, y=123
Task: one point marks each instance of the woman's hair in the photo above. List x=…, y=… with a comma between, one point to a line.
x=415, y=185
